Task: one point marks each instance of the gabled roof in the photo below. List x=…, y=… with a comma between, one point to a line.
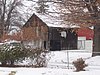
x=31, y=19
x=51, y=21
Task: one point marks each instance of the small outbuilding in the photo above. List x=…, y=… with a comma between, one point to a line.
x=42, y=31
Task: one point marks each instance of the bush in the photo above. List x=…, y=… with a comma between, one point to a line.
x=17, y=52
x=39, y=57
x=9, y=53
x=79, y=64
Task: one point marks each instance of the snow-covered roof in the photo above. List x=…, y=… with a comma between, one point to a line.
x=52, y=16
x=52, y=21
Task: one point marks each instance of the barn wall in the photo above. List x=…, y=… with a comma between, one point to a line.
x=35, y=31
x=58, y=42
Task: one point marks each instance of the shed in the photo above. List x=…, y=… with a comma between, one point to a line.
x=44, y=31
x=86, y=32
x=35, y=33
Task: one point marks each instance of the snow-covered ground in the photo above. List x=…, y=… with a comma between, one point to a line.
x=64, y=59
x=58, y=65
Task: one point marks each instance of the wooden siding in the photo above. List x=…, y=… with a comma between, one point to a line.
x=35, y=30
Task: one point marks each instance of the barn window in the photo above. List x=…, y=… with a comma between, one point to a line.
x=63, y=34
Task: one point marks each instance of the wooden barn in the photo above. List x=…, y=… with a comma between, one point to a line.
x=35, y=33
x=38, y=33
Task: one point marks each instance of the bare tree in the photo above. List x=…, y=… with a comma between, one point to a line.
x=42, y=6
x=84, y=13
x=93, y=7
x=10, y=15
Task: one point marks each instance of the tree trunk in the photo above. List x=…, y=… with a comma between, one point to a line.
x=11, y=62
x=96, y=41
x=93, y=8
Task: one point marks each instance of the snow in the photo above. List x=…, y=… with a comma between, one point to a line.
x=51, y=17
x=14, y=29
x=59, y=59
x=8, y=41
x=54, y=21
x=47, y=71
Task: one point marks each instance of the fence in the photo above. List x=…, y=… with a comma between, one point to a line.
x=70, y=56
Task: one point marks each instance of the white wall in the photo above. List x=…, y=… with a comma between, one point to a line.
x=84, y=44
x=89, y=45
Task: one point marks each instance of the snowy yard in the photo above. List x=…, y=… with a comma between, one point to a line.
x=58, y=65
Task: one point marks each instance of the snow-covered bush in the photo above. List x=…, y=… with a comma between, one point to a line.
x=17, y=52
x=9, y=53
x=79, y=64
x=39, y=57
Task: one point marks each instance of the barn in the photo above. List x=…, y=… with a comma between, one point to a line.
x=42, y=31
x=35, y=33
x=85, y=38
x=86, y=32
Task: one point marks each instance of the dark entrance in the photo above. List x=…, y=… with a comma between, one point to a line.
x=55, y=45
x=58, y=42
